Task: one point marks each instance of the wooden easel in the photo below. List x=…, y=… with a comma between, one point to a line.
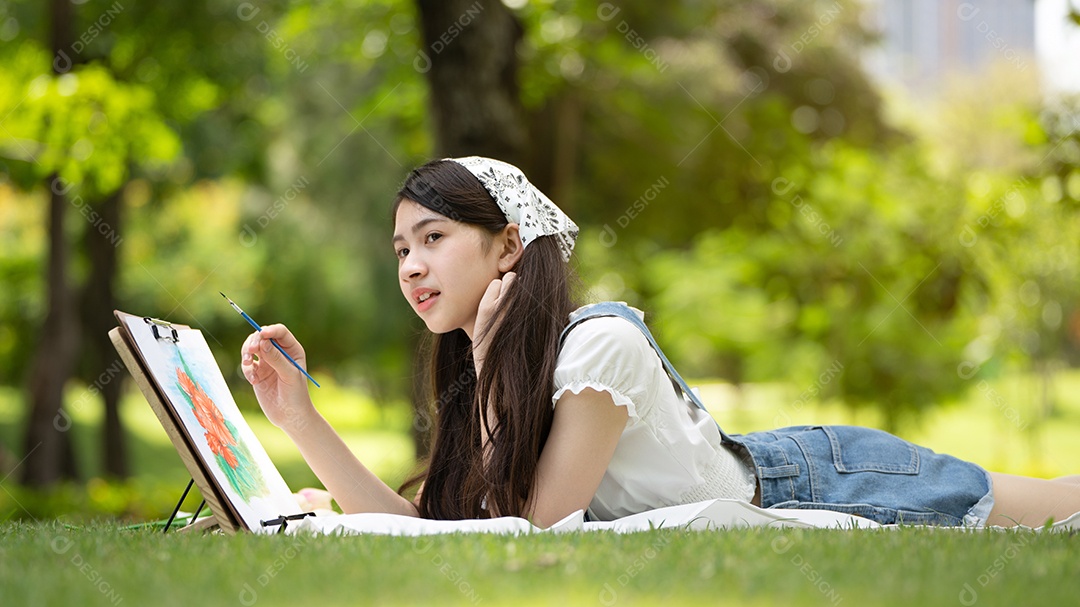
x=222, y=515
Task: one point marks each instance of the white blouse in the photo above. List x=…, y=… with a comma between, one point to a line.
x=670, y=452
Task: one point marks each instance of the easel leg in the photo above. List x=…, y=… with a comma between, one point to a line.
x=205, y=524
x=178, y=504
x=197, y=512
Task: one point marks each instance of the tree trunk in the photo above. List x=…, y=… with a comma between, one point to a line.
x=7, y=461
x=554, y=135
x=105, y=370
x=47, y=443
x=469, y=54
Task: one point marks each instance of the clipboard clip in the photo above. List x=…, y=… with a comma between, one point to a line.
x=164, y=324
x=283, y=520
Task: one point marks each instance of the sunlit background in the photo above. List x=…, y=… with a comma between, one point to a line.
x=830, y=211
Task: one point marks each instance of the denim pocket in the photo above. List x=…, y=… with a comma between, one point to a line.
x=884, y=516
x=858, y=449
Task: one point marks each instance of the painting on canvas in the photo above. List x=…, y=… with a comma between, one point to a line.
x=193, y=384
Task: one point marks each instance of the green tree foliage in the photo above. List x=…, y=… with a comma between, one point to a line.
x=84, y=126
x=872, y=293
x=730, y=164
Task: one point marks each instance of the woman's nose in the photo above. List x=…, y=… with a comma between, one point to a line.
x=412, y=267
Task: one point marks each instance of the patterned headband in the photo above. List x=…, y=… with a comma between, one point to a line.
x=522, y=202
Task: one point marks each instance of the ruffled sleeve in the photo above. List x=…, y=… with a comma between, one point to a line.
x=607, y=354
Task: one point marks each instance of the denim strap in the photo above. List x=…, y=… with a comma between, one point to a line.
x=621, y=309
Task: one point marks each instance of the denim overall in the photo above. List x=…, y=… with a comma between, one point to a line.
x=851, y=469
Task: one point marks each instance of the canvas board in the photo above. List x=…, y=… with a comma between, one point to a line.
x=208, y=425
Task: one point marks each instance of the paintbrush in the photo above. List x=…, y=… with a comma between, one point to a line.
x=280, y=349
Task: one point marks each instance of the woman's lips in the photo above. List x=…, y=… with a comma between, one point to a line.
x=427, y=303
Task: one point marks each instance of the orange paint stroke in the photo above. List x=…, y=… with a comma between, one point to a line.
x=218, y=436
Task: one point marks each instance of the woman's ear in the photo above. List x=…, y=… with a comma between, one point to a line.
x=510, y=246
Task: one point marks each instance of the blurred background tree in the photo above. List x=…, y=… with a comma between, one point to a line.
x=778, y=213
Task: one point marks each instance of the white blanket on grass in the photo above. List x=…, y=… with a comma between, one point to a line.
x=708, y=515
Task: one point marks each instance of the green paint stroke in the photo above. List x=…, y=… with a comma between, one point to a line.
x=245, y=476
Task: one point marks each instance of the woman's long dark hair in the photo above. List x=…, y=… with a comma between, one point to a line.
x=517, y=378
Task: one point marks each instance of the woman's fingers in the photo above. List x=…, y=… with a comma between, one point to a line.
x=496, y=290
x=274, y=358
x=310, y=499
x=258, y=347
x=489, y=315
x=245, y=348
x=284, y=338
x=248, y=364
x=492, y=292
x=279, y=333
x=302, y=502
x=505, y=282
x=318, y=498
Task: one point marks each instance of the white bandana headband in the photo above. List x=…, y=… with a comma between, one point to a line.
x=522, y=202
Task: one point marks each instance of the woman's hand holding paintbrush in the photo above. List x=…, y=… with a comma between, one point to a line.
x=273, y=362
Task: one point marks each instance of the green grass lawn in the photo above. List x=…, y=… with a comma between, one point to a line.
x=101, y=565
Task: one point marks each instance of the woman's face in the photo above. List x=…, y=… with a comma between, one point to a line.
x=447, y=259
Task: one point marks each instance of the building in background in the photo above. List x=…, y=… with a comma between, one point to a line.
x=924, y=41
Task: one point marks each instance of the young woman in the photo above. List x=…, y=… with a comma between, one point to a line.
x=544, y=407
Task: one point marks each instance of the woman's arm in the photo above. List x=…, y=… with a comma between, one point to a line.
x=583, y=436
x=354, y=487
x=283, y=395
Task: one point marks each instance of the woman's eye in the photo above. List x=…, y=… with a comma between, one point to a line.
x=401, y=253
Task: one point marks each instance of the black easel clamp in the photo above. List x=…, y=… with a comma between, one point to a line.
x=283, y=520
x=164, y=325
